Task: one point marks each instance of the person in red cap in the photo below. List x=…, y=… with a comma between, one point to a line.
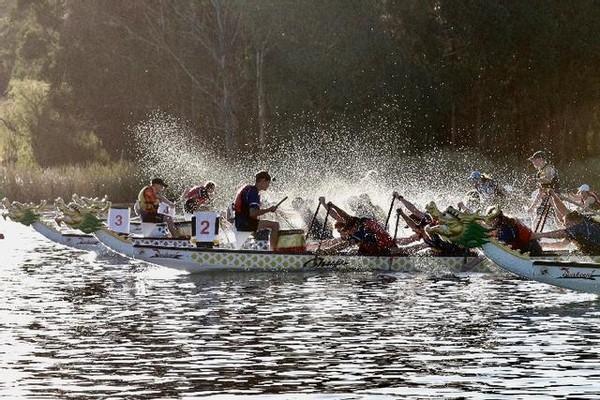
x=247, y=209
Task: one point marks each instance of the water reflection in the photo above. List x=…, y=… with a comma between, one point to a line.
x=79, y=326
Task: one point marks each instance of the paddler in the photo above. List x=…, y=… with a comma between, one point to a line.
x=581, y=230
x=418, y=221
x=149, y=200
x=371, y=238
x=487, y=189
x=513, y=232
x=585, y=199
x=247, y=209
x=301, y=207
x=198, y=197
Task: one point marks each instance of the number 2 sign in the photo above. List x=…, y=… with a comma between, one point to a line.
x=118, y=220
x=206, y=226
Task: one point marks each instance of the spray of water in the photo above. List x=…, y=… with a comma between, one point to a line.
x=315, y=161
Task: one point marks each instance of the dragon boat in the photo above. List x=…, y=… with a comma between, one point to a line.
x=77, y=239
x=573, y=271
x=186, y=256
x=80, y=219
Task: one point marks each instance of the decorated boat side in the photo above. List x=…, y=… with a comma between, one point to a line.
x=185, y=256
x=469, y=230
x=74, y=224
x=77, y=240
x=575, y=275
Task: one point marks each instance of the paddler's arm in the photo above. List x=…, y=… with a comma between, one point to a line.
x=333, y=210
x=256, y=212
x=409, y=206
x=569, y=198
x=557, y=234
x=163, y=199
x=408, y=240
x=409, y=221
x=562, y=245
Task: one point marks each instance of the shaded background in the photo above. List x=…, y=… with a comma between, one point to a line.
x=498, y=78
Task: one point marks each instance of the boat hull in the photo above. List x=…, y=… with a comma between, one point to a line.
x=568, y=274
x=79, y=241
x=124, y=245
x=184, y=256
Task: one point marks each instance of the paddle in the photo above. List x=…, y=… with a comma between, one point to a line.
x=282, y=200
x=323, y=229
x=387, y=220
x=312, y=221
x=397, y=223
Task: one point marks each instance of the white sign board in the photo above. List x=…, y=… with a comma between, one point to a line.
x=206, y=226
x=166, y=209
x=118, y=220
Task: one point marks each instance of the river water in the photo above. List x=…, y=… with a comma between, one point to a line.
x=80, y=325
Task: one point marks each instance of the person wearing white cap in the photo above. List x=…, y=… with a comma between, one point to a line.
x=585, y=199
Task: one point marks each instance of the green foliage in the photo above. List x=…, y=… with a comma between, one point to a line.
x=22, y=114
x=498, y=76
x=119, y=180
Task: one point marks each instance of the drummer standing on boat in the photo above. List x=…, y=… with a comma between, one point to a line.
x=546, y=178
x=247, y=209
x=546, y=175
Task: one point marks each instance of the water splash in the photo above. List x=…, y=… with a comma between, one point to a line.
x=332, y=161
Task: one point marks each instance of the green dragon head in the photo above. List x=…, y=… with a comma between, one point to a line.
x=82, y=213
x=24, y=213
x=460, y=228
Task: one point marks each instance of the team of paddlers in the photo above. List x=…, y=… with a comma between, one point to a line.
x=365, y=230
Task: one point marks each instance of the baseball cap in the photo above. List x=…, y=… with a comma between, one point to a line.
x=475, y=176
x=583, y=188
x=538, y=154
x=158, y=181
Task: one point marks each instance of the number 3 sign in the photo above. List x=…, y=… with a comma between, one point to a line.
x=118, y=220
x=206, y=226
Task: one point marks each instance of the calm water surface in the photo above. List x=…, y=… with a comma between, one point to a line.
x=79, y=325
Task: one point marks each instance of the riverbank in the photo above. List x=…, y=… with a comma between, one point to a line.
x=119, y=181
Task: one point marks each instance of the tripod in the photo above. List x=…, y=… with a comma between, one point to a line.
x=545, y=206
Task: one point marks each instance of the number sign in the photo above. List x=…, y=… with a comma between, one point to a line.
x=118, y=220
x=206, y=226
x=166, y=209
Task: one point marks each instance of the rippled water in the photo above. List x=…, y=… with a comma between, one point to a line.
x=79, y=325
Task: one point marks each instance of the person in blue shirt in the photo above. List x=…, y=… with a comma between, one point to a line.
x=247, y=209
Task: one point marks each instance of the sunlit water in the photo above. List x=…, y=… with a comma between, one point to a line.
x=78, y=325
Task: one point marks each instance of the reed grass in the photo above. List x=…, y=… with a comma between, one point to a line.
x=119, y=181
